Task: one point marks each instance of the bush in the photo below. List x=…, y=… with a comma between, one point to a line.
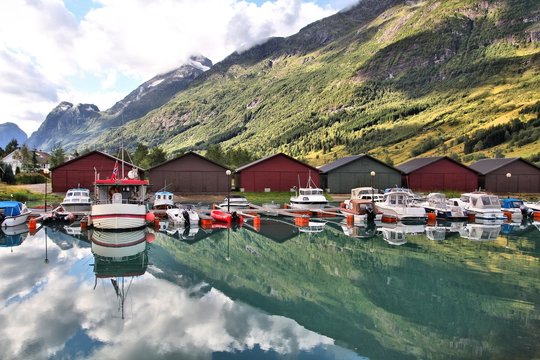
x=30, y=178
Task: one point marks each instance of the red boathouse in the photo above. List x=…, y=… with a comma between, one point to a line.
x=436, y=174
x=82, y=171
x=277, y=172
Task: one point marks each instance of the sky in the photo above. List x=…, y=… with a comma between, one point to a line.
x=98, y=51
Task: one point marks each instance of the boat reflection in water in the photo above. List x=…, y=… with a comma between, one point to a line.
x=444, y=229
x=118, y=255
x=395, y=233
x=360, y=232
x=480, y=232
x=13, y=236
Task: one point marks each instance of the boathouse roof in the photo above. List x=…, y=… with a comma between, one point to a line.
x=485, y=166
x=349, y=159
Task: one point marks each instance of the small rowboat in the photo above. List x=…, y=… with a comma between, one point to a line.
x=224, y=216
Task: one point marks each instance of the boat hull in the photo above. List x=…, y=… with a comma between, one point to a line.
x=77, y=207
x=118, y=216
x=307, y=205
x=15, y=220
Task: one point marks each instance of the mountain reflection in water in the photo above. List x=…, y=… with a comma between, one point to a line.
x=274, y=292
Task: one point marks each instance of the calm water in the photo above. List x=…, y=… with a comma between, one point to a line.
x=456, y=291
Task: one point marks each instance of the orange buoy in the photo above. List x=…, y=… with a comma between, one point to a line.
x=508, y=215
x=350, y=220
x=431, y=216
x=389, y=219
x=536, y=215
x=84, y=224
x=471, y=217
x=32, y=224
x=257, y=220
x=150, y=216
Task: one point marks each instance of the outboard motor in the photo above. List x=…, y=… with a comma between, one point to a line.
x=185, y=214
x=234, y=216
x=526, y=212
x=370, y=214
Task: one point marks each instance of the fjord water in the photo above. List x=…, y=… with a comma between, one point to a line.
x=279, y=292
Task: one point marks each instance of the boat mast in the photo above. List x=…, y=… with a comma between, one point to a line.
x=122, y=149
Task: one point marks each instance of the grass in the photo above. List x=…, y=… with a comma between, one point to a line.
x=32, y=199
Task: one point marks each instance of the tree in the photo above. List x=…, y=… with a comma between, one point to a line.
x=156, y=156
x=34, y=161
x=25, y=157
x=58, y=156
x=215, y=153
x=140, y=156
x=6, y=174
x=11, y=146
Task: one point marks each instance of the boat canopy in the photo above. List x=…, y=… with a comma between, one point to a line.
x=11, y=208
x=310, y=191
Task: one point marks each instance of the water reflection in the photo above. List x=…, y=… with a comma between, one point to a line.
x=480, y=232
x=13, y=236
x=57, y=311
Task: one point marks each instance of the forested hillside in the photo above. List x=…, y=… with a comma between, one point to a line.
x=393, y=78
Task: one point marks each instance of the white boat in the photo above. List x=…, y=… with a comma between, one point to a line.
x=13, y=213
x=398, y=205
x=163, y=200
x=396, y=233
x=313, y=227
x=234, y=202
x=480, y=232
x=436, y=203
x=483, y=206
x=436, y=233
x=309, y=198
x=516, y=208
x=183, y=216
x=363, y=211
x=366, y=193
x=77, y=200
x=120, y=204
x=535, y=206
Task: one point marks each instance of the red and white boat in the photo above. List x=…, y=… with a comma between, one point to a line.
x=120, y=203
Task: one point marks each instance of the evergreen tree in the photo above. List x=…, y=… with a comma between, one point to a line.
x=34, y=161
x=58, y=156
x=215, y=153
x=6, y=174
x=140, y=156
x=11, y=147
x=156, y=156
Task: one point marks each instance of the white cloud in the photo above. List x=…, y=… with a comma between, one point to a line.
x=43, y=46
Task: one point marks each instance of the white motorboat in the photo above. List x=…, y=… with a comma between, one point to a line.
x=77, y=201
x=436, y=203
x=436, y=233
x=309, y=198
x=516, y=208
x=398, y=205
x=483, y=206
x=120, y=204
x=184, y=215
x=13, y=213
x=163, y=200
x=534, y=206
x=396, y=233
x=366, y=193
x=480, y=232
x=234, y=202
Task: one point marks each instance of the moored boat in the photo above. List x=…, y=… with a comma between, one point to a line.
x=234, y=202
x=226, y=217
x=120, y=204
x=363, y=211
x=516, y=209
x=436, y=203
x=309, y=198
x=163, y=200
x=77, y=201
x=484, y=206
x=13, y=213
x=183, y=216
x=398, y=205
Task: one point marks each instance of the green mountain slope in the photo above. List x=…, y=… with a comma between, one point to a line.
x=395, y=78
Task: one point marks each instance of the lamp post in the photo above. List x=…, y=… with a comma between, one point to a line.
x=372, y=173
x=228, y=172
x=46, y=254
x=46, y=173
x=508, y=176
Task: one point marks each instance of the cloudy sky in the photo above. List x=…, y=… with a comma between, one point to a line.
x=97, y=51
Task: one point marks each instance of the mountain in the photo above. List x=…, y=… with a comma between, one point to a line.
x=10, y=131
x=71, y=126
x=393, y=78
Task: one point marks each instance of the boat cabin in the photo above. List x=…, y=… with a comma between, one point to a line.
x=125, y=191
x=484, y=201
x=397, y=198
x=310, y=191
